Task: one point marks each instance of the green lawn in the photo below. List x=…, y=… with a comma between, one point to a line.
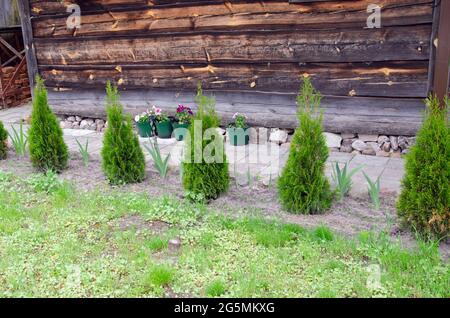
x=58, y=242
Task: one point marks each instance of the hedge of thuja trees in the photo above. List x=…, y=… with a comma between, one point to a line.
x=424, y=202
x=200, y=176
x=3, y=141
x=122, y=158
x=46, y=143
x=303, y=186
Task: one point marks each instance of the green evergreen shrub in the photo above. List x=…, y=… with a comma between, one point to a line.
x=46, y=143
x=424, y=202
x=201, y=176
x=123, y=160
x=3, y=142
x=303, y=187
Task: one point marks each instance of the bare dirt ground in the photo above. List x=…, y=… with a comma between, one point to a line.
x=349, y=217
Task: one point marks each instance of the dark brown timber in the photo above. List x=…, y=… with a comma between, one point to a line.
x=442, y=63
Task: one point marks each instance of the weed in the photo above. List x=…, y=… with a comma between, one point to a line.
x=19, y=140
x=343, y=179
x=374, y=190
x=161, y=165
x=84, y=151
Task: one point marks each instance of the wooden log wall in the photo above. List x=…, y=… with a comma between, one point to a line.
x=233, y=46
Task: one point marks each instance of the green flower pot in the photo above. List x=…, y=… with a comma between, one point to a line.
x=180, y=130
x=164, y=129
x=238, y=136
x=145, y=129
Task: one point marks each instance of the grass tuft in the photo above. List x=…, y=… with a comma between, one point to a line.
x=215, y=289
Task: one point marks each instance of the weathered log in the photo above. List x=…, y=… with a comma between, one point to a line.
x=354, y=45
x=402, y=79
x=243, y=16
x=342, y=114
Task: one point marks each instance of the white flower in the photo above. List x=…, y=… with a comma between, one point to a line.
x=136, y=118
x=236, y=115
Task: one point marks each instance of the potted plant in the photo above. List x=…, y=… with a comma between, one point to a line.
x=162, y=122
x=183, y=120
x=144, y=124
x=238, y=131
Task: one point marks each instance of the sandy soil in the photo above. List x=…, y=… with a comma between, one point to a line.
x=349, y=217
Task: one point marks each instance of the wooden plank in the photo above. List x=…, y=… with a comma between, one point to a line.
x=243, y=16
x=432, y=46
x=442, y=64
x=10, y=47
x=56, y=7
x=27, y=31
x=354, y=45
x=401, y=79
x=374, y=115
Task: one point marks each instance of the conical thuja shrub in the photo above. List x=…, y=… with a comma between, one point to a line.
x=205, y=166
x=424, y=203
x=3, y=141
x=122, y=158
x=46, y=143
x=303, y=187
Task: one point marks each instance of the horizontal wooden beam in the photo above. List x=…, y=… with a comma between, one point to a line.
x=241, y=16
x=400, y=79
x=342, y=114
x=349, y=45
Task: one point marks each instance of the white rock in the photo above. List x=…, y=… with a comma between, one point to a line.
x=382, y=139
x=365, y=138
x=347, y=136
x=333, y=140
x=71, y=119
x=278, y=136
x=84, y=124
x=394, y=142
x=402, y=142
x=63, y=125
x=369, y=151
x=78, y=118
x=374, y=145
x=359, y=145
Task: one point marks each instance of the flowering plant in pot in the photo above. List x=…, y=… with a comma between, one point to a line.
x=162, y=122
x=144, y=124
x=238, y=131
x=183, y=120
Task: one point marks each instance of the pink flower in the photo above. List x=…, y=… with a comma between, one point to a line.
x=157, y=110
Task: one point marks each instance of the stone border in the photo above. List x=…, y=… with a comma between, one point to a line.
x=372, y=145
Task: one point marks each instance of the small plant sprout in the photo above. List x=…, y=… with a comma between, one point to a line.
x=84, y=151
x=162, y=165
x=343, y=179
x=374, y=190
x=19, y=140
